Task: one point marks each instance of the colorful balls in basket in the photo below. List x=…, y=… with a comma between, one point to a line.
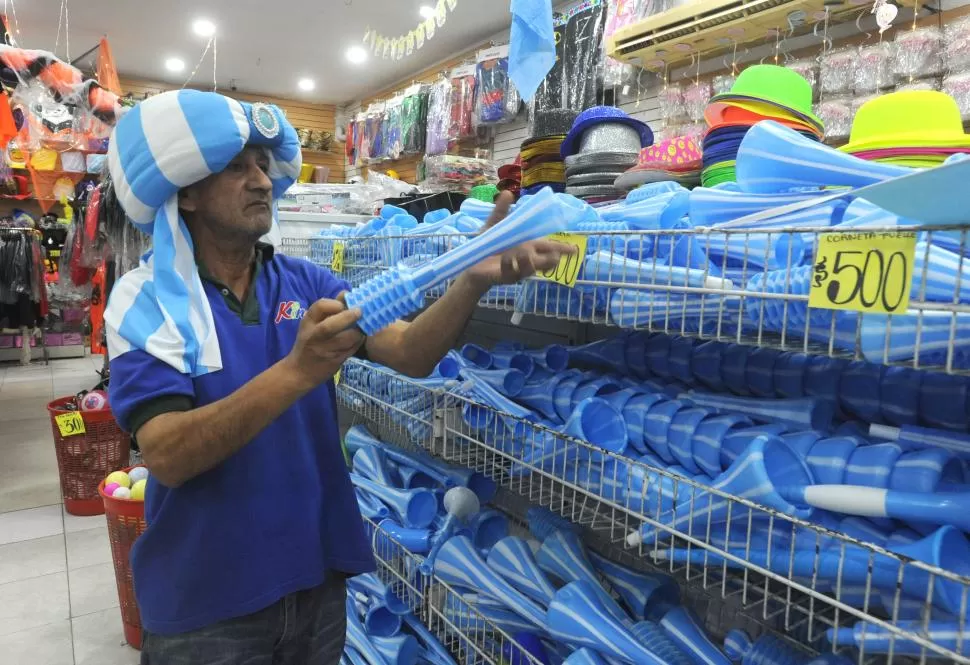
x=127, y=485
x=94, y=400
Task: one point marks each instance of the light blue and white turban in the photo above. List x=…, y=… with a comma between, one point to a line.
x=165, y=143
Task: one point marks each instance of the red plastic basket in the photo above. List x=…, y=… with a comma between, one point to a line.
x=126, y=521
x=85, y=459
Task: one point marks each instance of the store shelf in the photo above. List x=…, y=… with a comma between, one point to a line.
x=470, y=637
x=324, y=218
x=752, y=289
x=801, y=579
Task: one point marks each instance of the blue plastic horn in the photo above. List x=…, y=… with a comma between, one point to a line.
x=417, y=508
x=773, y=158
x=595, y=421
x=563, y=556
x=767, y=463
x=710, y=207
x=647, y=595
x=415, y=540
x=607, y=267
x=400, y=291
x=369, y=462
x=607, y=353
x=766, y=650
x=554, y=357
x=370, y=584
x=459, y=563
x=508, y=359
x=684, y=628
x=577, y=615
x=654, y=638
x=512, y=558
x=877, y=640
x=943, y=271
x=460, y=504
x=402, y=650
x=673, y=312
x=477, y=356
x=509, y=382
x=370, y=506
x=802, y=413
x=584, y=656
x=434, y=650
x=358, y=437
x=446, y=474
x=891, y=338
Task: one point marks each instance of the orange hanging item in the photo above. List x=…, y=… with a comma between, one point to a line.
x=98, y=298
x=107, y=74
x=8, y=128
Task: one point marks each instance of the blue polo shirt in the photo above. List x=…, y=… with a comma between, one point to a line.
x=279, y=513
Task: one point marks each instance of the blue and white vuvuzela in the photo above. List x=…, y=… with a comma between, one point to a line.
x=400, y=291
x=417, y=507
x=512, y=558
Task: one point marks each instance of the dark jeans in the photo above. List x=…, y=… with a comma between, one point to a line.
x=304, y=628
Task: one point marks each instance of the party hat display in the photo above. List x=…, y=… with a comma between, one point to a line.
x=676, y=160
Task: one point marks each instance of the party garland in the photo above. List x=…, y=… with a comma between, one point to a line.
x=396, y=48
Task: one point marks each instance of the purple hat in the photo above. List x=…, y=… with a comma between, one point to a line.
x=600, y=114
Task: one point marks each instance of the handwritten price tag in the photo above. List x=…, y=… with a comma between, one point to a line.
x=70, y=423
x=863, y=271
x=337, y=261
x=336, y=378
x=567, y=271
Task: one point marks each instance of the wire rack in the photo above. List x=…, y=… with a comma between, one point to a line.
x=802, y=579
x=446, y=612
x=750, y=286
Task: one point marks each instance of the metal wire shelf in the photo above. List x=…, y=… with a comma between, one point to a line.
x=749, y=286
x=444, y=611
x=785, y=581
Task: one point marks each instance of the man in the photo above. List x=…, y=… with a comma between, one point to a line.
x=253, y=522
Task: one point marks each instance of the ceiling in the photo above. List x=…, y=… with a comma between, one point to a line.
x=265, y=46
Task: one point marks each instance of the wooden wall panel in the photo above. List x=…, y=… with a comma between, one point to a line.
x=301, y=114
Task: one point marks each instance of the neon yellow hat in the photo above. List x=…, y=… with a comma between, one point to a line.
x=907, y=119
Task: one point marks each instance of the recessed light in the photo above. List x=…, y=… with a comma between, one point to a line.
x=174, y=64
x=356, y=54
x=306, y=85
x=204, y=27
x=426, y=12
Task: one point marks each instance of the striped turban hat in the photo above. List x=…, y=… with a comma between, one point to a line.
x=165, y=143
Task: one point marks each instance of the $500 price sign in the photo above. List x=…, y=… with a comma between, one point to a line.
x=567, y=271
x=863, y=271
x=337, y=260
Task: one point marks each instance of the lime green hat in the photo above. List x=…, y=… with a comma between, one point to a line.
x=779, y=86
x=908, y=119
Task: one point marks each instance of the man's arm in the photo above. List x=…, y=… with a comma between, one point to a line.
x=180, y=445
x=415, y=348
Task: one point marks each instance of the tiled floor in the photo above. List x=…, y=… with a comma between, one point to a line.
x=58, y=601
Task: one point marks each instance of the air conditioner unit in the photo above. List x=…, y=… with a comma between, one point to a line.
x=702, y=26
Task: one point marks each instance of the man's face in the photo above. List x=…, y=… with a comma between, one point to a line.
x=236, y=201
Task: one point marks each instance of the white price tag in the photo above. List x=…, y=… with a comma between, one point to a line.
x=464, y=70
x=493, y=53
x=412, y=90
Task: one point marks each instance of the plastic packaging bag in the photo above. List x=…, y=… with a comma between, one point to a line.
x=439, y=117
x=549, y=96
x=872, y=72
x=722, y=83
x=393, y=127
x=374, y=130
x=462, y=103
x=458, y=174
x=836, y=115
x=956, y=37
x=696, y=97
x=673, y=109
x=497, y=100
x=837, y=72
x=619, y=14
x=918, y=54
x=414, y=118
x=583, y=43
x=958, y=87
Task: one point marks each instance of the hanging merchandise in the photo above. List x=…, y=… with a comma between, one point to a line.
x=836, y=114
x=414, y=119
x=411, y=41
x=462, y=104
x=532, y=45
x=837, y=72
x=497, y=100
x=549, y=96
x=455, y=173
x=673, y=107
x=872, y=71
x=439, y=117
x=361, y=142
x=619, y=14
x=393, y=126
x=918, y=54
x=374, y=128
x=956, y=40
x=583, y=45
x=23, y=295
x=350, y=143
x=808, y=70
x=958, y=87
x=696, y=97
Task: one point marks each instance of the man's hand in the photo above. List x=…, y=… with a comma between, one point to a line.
x=328, y=335
x=519, y=262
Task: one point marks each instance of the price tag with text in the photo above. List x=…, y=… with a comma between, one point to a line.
x=567, y=271
x=864, y=271
x=337, y=261
x=336, y=378
x=70, y=423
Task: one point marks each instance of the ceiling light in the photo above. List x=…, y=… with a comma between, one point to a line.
x=174, y=64
x=306, y=85
x=356, y=54
x=204, y=27
x=426, y=12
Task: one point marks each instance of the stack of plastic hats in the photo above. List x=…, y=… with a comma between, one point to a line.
x=915, y=128
x=602, y=143
x=510, y=177
x=542, y=165
x=761, y=92
x=677, y=159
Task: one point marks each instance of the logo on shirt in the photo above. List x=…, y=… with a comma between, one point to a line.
x=290, y=310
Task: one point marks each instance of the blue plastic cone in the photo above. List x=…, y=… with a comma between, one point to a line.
x=398, y=650
x=509, y=382
x=370, y=506
x=512, y=558
x=877, y=640
x=554, y=357
x=459, y=563
x=414, y=540
x=803, y=413
x=654, y=638
x=647, y=595
x=577, y=616
x=766, y=650
x=563, y=556
x=891, y=338
x=773, y=158
x=595, y=421
x=508, y=359
x=434, y=650
x=584, y=656
x=369, y=462
x=358, y=437
x=417, y=508
x=685, y=629
x=371, y=585
x=709, y=437
x=710, y=207
x=606, y=353
x=477, y=356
